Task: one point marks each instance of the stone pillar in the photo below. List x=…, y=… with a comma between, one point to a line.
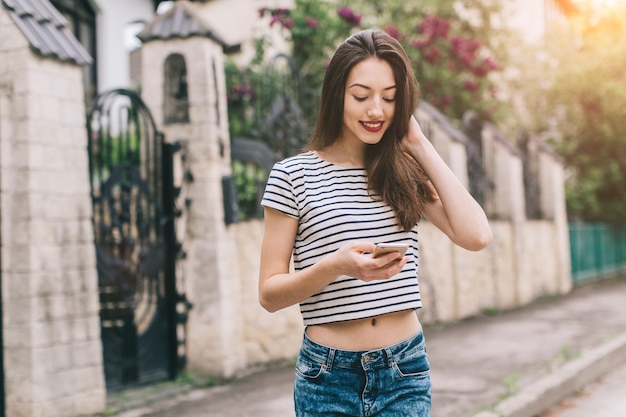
x=552, y=184
x=52, y=347
x=506, y=203
x=211, y=269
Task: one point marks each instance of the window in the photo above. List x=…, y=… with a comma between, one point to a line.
x=176, y=98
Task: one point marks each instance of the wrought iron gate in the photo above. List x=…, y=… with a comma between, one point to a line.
x=133, y=196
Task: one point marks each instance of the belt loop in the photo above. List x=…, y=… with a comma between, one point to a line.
x=330, y=359
x=389, y=354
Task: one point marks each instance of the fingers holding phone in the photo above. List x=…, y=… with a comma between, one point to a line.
x=392, y=253
x=384, y=248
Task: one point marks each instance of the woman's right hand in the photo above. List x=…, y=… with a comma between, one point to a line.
x=355, y=260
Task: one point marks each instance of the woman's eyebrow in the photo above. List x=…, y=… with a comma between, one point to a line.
x=391, y=87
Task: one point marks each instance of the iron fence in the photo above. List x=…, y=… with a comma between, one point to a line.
x=598, y=251
x=271, y=115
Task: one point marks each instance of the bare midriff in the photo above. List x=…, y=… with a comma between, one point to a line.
x=367, y=334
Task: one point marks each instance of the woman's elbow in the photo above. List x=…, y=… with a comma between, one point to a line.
x=270, y=302
x=481, y=240
x=474, y=241
x=268, y=305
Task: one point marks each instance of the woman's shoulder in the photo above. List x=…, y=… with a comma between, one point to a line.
x=303, y=157
x=302, y=160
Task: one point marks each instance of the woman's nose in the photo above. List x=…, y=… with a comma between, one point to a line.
x=375, y=109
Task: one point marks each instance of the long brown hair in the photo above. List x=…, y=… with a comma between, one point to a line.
x=393, y=174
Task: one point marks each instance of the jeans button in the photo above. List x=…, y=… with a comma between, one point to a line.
x=366, y=359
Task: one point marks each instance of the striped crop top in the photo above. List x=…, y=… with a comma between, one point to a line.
x=333, y=207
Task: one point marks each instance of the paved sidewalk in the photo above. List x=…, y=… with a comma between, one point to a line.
x=605, y=397
x=514, y=364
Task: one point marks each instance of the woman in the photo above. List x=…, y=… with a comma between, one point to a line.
x=368, y=176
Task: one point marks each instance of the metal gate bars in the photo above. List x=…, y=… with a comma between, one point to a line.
x=133, y=196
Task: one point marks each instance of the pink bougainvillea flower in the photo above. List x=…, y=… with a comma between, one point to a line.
x=434, y=26
x=490, y=64
x=281, y=11
x=274, y=20
x=310, y=22
x=480, y=70
x=420, y=43
x=392, y=31
x=432, y=54
x=349, y=15
x=470, y=85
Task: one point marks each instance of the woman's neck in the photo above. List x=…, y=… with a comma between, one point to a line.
x=340, y=153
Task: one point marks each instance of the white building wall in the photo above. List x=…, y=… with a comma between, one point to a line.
x=238, y=22
x=113, y=55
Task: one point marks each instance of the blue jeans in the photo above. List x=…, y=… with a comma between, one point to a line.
x=389, y=382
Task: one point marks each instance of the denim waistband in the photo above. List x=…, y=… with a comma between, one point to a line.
x=376, y=358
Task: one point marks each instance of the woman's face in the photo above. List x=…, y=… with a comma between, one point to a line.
x=369, y=101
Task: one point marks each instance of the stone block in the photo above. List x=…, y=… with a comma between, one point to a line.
x=19, y=286
x=436, y=272
x=23, y=259
x=79, y=327
x=16, y=310
x=72, y=112
x=51, y=258
x=18, y=364
x=62, y=332
x=51, y=111
x=91, y=400
x=43, y=334
x=85, y=354
x=17, y=336
x=11, y=38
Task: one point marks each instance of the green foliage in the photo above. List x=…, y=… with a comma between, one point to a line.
x=511, y=385
x=118, y=149
x=491, y=311
x=580, y=88
x=242, y=95
x=249, y=179
x=453, y=56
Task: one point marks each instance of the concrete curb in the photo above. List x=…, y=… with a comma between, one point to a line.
x=549, y=390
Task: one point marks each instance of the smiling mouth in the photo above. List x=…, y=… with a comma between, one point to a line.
x=372, y=126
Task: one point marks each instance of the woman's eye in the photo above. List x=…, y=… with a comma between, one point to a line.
x=357, y=98
x=390, y=100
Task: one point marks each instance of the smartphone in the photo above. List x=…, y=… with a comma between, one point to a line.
x=383, y=248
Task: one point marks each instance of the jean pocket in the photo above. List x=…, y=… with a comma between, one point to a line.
x=415, y=365
x=309, y=369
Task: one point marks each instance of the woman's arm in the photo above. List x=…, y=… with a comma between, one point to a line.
x=454, y=212
x=280, y=288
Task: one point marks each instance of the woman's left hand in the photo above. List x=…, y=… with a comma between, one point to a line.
x=454, y=211
x=414, y=135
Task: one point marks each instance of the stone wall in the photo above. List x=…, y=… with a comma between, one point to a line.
x=52, y=349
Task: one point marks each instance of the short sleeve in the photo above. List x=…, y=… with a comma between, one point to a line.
x=279, y=193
